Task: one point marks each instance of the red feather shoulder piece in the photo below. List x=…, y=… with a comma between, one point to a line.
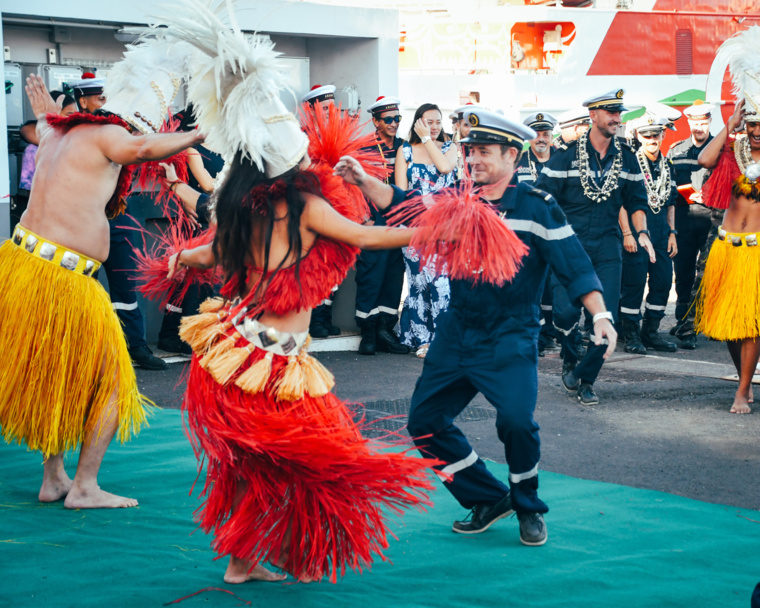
x=117, y=203
x=716, y=192
x=461, y=236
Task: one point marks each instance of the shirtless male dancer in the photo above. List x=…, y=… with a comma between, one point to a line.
x=96, y=393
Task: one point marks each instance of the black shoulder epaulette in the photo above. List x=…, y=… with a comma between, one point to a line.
x=625, y=145
x=533, y=191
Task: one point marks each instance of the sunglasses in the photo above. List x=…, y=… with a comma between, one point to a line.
x=388, y=120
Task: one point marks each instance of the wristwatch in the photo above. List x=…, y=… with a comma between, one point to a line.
x=425, y=139
x=649, y=236
x=673, y=231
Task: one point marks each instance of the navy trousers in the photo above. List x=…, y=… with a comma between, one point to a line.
x=636, y=267
x=567, y=317
x=379, y=281
x=121, y=270
x=499, y=360
x=691, y=237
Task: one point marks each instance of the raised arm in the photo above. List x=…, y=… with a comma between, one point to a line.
x=445, y=163
x=322, y=219
x=122, y=148
x=399, y=172
x=708, y=157
x=378, y=192
x=195, y=165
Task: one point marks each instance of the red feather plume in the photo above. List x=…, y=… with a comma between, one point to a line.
x=716, y=191
x=461, y=236
x=153, y=265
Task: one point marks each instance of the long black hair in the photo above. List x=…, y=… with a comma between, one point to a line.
x=246, y=200
x=425, y=107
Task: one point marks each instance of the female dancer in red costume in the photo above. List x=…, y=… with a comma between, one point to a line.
x=290, y=479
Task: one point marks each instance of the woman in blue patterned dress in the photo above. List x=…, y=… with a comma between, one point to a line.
x=427, y=164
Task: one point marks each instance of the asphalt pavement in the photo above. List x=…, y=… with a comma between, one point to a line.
x=662, y=422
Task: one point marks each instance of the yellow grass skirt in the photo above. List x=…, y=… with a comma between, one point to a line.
x=62, y=355
x=728, y=304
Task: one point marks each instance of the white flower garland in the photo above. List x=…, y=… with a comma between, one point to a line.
x=658, y=193
x=590, y=189
x=743, y=154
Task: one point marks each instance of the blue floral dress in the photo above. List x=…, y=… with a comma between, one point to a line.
x=428, y=295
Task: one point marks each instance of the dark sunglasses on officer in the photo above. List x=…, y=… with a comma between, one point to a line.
x=391, y=119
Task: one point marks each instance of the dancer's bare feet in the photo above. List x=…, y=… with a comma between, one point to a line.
x=238, y=572
x=95, y=498
x=55, y=483
x=741, y=405
x=55, y=489
x=281, y=562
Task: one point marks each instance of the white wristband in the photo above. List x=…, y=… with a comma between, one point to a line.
x=603, y=315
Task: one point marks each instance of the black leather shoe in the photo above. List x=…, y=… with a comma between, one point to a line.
x=586, y=394
x=532, y=529
x=317, y=330
x=688, y=342
x=143, y=357
x=333, y=330
x=387, y=342
x=483, y=517
x=368, y=345
x=569, y=381
x=175, y=345
x=651, y=338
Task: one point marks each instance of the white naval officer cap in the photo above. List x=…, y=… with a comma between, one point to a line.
x=574, y=116
x=652, y=124
x=462, y=109
x=87, y=86
x=384, y=104
x=319, y=93
x=491, y=128
x=699, y=111
x=541, y=121
x=612, y=101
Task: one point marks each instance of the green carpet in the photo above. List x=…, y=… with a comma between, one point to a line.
x=608, y=546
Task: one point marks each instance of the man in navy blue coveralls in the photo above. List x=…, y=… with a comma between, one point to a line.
x=487, y=341
x=591, y=179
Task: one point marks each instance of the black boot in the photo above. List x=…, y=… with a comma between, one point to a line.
x=632, y=338
x=368, y=345
x=317, y=328
x=687, y=337
x=332, y=330
x=387, y=341
x=651, y=338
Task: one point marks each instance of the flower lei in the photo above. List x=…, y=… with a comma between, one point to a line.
x=658, y=192
x=592, y=191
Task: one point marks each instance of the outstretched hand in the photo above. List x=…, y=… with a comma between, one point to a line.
x=350, y=170
x=39, y=97
x=604, y=329
x=174, y=265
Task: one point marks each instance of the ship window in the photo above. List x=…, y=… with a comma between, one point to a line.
x=684, y=52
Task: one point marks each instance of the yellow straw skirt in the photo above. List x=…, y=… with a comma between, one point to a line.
x=728, y=304
x=62, y=356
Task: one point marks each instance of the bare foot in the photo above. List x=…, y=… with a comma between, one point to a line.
x=280, y=563
x=55, y=488
x=96, y=499
x=238, y=572
x=740, y=406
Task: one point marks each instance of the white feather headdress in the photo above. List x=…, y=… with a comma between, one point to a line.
x=234, y=84
x=140, y=88
x=742, y=53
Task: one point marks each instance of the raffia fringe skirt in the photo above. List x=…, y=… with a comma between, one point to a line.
x=728, y=304
x=62, y=351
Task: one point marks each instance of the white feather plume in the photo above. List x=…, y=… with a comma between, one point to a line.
x=234, y=81
x=742, y=53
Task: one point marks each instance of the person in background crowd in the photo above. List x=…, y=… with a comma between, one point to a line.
x=660, y=183
x=572, y=124
x=380, y=273
x=693, y=218
x=322, y=96
x=591, y=179
x=203, y=166
x=528, y=169
x=427, y=164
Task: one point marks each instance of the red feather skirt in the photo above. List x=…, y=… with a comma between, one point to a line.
x=289, y=476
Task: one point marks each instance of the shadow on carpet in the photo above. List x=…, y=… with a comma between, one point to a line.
x=609, y=545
